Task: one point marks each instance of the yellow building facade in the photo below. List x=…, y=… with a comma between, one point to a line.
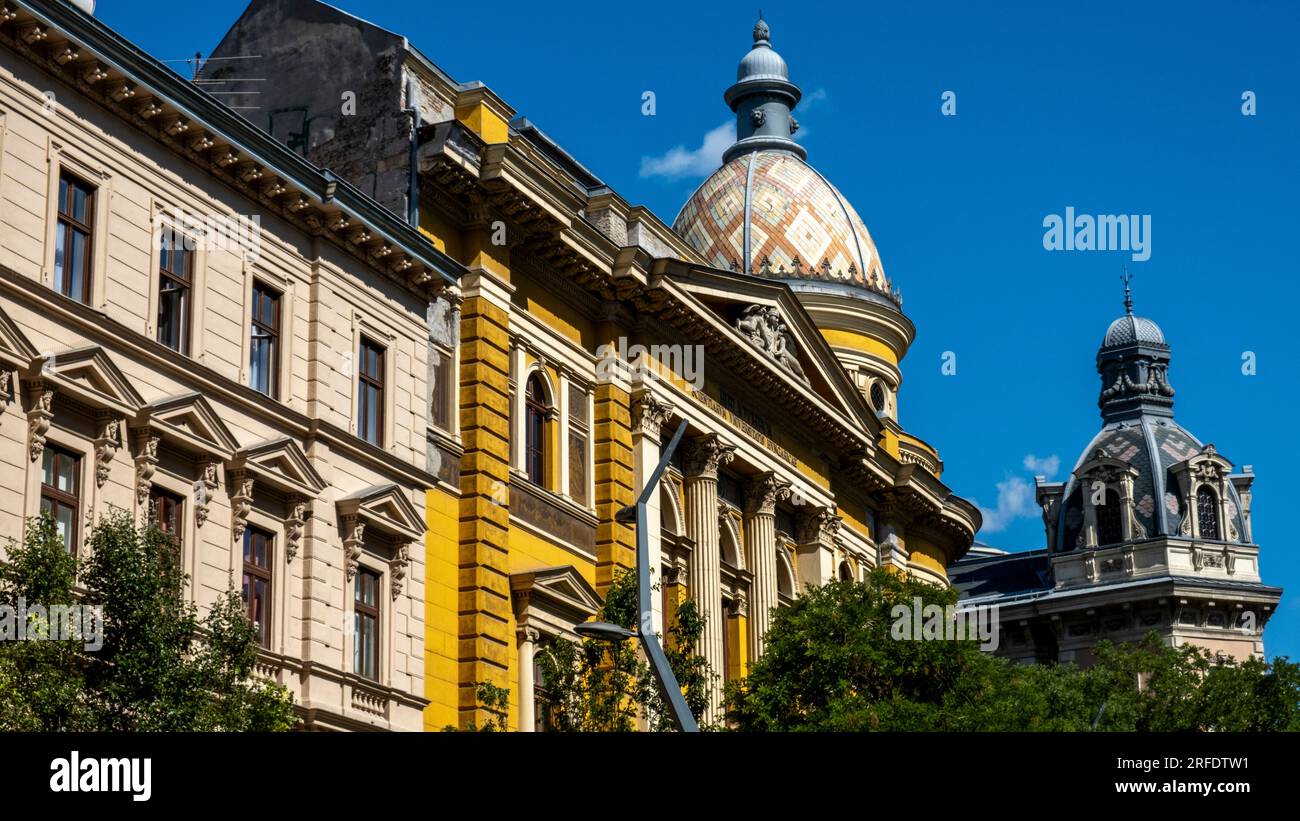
x=588, y=330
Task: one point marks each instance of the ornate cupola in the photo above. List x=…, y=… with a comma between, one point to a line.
x=763, y=99
x=1134, y=365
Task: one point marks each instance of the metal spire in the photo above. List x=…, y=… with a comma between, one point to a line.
x=1128, y=293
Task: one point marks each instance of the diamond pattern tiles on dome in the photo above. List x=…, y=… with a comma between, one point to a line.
x=800, y=226
x=1128, y=329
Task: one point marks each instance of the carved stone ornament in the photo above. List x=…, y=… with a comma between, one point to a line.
x=204, y=488
x=354, y=534
x=146, y=462
x=705, y=454
x=764, y=491
x=758, y=116
x=763, y=326
x=818, y=525
x=38, y=419
x=106, y=447
x=397, y=567
x=649, y=414
x=6, y=389
x=241, y=504
x=295, y=526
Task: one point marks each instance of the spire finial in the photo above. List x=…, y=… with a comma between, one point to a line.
x=761, y=32
x=1128, y=293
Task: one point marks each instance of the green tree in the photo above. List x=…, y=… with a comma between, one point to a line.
x=161, y=667
x=831, y=663
x=599, y=686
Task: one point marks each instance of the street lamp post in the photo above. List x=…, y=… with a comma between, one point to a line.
x=663, y=672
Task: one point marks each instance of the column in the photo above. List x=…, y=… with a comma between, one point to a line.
x=704, y=455
x=760, y=546
x=648, y=417
x=527, y=686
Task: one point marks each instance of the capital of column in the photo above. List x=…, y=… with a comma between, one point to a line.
x=649, y=414
x=705, y=454
x=763, y=491
x=820, y=524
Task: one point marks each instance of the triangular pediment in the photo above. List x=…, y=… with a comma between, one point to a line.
x=15, y=349
x=90, y=376
x=281, y=463
x=560, y=591
x=385, y=508
x=766, y=320
x=188, y=420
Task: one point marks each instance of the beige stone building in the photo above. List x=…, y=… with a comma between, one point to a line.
x=196, y=322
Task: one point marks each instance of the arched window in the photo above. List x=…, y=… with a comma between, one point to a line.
x=846, y=572
x=1207, y=512
x=537, y=409
x=1110, y=526
x=784, y=581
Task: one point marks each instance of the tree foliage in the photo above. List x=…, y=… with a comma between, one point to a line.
x=831, y=664
x=161, y=666
x=598, y=686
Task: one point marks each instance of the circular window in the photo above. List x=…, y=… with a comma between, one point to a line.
x=878, y=397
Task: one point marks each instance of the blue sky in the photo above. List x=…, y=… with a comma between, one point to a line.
x=1112, y=108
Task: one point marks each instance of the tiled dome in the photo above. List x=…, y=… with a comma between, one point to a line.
x=1129, y=329
x=770, y=214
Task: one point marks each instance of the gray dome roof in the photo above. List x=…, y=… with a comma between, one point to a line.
x=1151, y=445
x=1129, y=329
x=761, y=62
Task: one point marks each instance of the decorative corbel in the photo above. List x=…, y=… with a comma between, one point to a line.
x=204, y=489
x=241, y=503
x=296, y=525
x=6, y=389
x=39, y=414
x=397, y=567
x=106, y=445
x=146, y=462
x=354, y=532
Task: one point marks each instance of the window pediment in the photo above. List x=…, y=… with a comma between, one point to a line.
x=189, y=421
x=281, y=464
x=385, y=509
x=554, y=598
x=89, y=376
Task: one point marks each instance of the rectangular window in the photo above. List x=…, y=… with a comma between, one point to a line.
x=60, y=492
x=264, y=341
x=443, y=389
x=370, y=393
x=168, y=511
x=258, y=546
x=365, y=624
x=175, y=284
x=578, y=444
x=72, y=238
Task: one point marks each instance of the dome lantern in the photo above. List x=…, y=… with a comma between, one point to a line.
x=763, y=99
x=1134, y=366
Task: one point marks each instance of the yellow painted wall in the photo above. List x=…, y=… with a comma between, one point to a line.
x=484, y=122
x=859, y=342
x=441, y=677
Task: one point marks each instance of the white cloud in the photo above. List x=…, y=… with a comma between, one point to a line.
x=812, y=99
x=698, y=162
x=1015, y=501
x=1047, y=466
